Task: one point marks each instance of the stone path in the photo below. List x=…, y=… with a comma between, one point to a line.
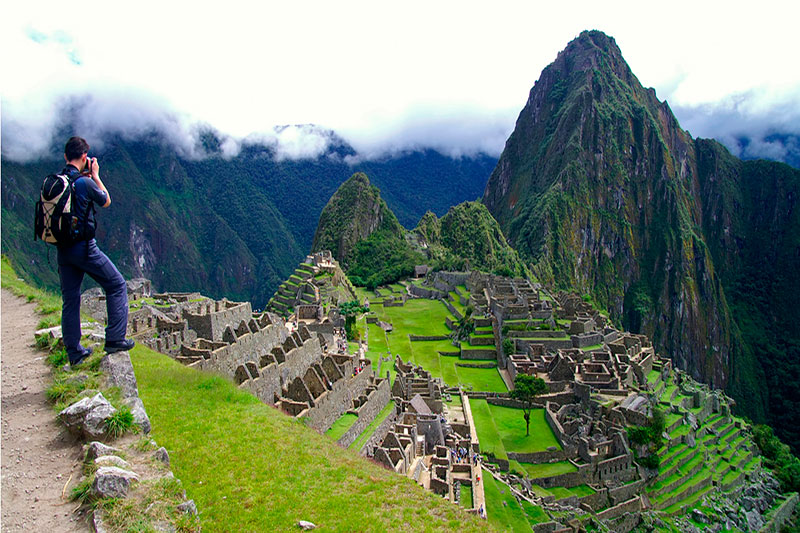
x=39, y=457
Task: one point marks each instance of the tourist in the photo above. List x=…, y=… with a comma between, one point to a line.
x=82, y=256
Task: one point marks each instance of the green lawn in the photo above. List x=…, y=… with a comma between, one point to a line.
x=425, y=318
x=535, y=513
x=502, y=507
x=502, y=429
x=249, y=467
x=466, y=496
x=540, y=470
x=341, y=426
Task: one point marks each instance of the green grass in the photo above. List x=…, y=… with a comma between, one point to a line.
x=541, y=470
x=502, y=429
x=535, y=513
x=425, y=318
x=466, y=496
x=341, y=426
x=251, y=468
x=502, y=507
x=592, y=347
x=48, y=303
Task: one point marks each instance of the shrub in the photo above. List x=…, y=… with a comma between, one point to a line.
x=120, y=422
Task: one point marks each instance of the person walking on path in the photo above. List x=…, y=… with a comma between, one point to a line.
x=84, y=257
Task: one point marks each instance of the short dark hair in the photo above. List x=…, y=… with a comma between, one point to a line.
x=75, y=148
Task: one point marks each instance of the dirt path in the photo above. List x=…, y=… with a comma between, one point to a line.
x=38, y=455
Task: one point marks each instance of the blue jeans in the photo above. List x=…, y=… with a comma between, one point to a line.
x=74, y=261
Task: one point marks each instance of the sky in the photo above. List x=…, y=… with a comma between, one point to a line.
x=386, y=76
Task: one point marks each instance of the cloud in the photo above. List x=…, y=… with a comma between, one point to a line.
x=450, y=75
x=759, y=123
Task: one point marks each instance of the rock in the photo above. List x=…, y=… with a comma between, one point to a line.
x=139, y=414
x=53, y=333
x=699, y=516
x=119, y=373
x=98, y=449
x=303, y=524
x=112, y=482
x=690, y=441
x=188, y=507
x=112, y=460
x=88, y=416
x=97, y=521
x=161, y=455
x=754, y=520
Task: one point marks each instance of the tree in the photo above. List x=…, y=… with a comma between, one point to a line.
x=526, y=389
x=349, y=310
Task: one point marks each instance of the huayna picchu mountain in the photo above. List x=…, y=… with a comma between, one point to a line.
x=364, y=235
x=600, y=188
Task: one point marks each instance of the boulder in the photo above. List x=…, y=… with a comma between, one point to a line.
x=112, y=482
x=161, y=455
x=139, y=414
x=88, y=416
x=98, y=449
x=188, y=507
x=112, y=460
x=754, y=520
x=119, y=372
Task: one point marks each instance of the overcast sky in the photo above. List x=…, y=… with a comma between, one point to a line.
x=385, y=76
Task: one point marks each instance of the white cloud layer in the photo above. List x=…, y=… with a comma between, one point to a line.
x=447, y=75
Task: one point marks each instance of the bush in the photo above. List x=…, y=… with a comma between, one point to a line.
x=649, y=461
x=120, y=422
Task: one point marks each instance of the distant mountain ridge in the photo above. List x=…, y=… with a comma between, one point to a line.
x=600, y=188
x=234, y=226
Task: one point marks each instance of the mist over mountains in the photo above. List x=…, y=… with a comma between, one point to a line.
x=235, y=221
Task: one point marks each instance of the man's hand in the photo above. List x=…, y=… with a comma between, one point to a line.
x=95, y=167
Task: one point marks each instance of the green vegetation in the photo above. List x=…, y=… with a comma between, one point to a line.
x=48, y=303
x=540, y=470
x=502, y=430
x=424, y=317
x=468, y=237
x=205, y=421
x=370, y=429
x=341, y=426
x=526, y=389
x=502, y=508
x=778, y=456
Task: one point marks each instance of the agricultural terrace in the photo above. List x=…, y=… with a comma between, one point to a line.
x=426, y=318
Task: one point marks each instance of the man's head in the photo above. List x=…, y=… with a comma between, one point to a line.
x=75, y=151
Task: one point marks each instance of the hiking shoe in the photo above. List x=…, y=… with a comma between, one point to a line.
x=81, y=357
x=119, y=346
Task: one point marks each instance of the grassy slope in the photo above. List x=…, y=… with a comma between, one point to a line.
x=252, y=468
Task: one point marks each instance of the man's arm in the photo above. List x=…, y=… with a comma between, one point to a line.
x=99, y=182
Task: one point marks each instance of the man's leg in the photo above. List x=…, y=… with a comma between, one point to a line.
x=103, y=271
x=71, y=279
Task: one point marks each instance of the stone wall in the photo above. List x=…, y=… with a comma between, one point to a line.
x=376, y=401
x=379, y=434
x=216, y=316
x=629, y=506
x=248, y=347
x=335, y=402
x=781, y=515
x=626, y=492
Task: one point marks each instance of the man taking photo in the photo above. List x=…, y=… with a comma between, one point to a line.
x=84, y=257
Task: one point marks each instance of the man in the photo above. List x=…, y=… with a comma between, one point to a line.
x=84, y=257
